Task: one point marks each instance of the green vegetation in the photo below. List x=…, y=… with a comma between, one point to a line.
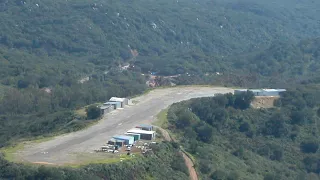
x=164, y=163
x=58, y=56
x=232, y=141
x=93, y=112
x=162, y=120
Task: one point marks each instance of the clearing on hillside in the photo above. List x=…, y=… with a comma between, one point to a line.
x=264, y=101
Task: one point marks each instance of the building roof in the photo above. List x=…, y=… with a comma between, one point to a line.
x=123, y=137
x=116, y=99
x=241, y=89
x=274, y=90
x=139, y=131
x=133, y=134
x=111, y=103
x=256, y=90
x=116, y=140
x=144, y=126
x=105, y=107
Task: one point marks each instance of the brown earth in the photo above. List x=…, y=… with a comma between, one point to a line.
x=264, y=101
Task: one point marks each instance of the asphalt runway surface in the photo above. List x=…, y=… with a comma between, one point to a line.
x=66, y=148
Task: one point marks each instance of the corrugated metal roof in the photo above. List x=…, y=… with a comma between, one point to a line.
x=139, y=131
x=105, y=107
x=117, y=99
x=274, y=90
x=111, y=103
x=116, y=140
x=241, y=89
x=132, y=134
x=256, y=90
x=123, y=137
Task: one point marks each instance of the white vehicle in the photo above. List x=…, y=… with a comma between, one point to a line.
x=109, y=150
x=115, y=151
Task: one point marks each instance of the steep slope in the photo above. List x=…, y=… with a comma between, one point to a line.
x=169, y=36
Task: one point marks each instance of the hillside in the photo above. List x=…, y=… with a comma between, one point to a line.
x=57, y=56
x=86, y=37
x=229, y=140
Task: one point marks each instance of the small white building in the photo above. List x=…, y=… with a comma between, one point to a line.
x=123, y=101
x=146, y=135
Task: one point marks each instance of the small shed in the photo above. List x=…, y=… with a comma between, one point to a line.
x=146, y=135
x=115, y=105
x=128, y=139
x=136, y=136
x=116, y=142
x=106, y=109
x=145, y=127
x=123, y=101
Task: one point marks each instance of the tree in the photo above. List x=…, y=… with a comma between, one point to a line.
x=270, y=176
x=276, y=126
x=93, y=112
x=244, y=127
x=205, y=133
x=219, y=175
x=243, y=100
x=310, y=146
x=184, y=119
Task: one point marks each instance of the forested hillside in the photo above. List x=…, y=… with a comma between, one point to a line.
x=60, y=55
x=230, y=140
x=44, y=41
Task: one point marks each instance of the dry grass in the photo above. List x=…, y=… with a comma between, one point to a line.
x=263, y=102
x=162, y=120
x=81, y=112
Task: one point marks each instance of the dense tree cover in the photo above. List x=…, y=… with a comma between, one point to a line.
x=163, y=163
x=277, y=143
x=42, y=39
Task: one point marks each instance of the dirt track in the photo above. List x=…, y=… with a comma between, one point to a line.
x=66, y=148
x=188, y=161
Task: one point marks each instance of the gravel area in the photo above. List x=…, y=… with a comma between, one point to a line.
x=66, y=148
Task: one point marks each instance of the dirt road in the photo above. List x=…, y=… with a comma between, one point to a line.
x=188, y=161
x=66, y=148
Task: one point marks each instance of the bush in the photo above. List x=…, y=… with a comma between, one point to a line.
x=244, y=127
x=243, y=100
x=219, y=175
x=93, y=112
x=271, y=177
x=310, y=146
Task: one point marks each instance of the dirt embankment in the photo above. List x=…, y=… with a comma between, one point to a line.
x=264, y=101
x=189, y=163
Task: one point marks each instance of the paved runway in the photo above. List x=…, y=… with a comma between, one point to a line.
x=64, y=149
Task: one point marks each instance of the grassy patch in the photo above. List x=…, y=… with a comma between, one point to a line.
x=162, y=120
x=10, y=151
x=102, y=160
x=81, y=112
